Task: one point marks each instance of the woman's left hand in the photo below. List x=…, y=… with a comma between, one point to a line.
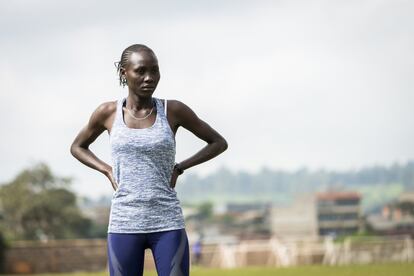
x=174, y=177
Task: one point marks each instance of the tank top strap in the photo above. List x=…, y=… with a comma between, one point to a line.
x=118, y=114
x=163, y=112
x=165, y=107
x=159, y=107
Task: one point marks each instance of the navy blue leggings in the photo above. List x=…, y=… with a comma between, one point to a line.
x=170, y=250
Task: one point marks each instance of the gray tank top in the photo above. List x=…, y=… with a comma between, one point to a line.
x=142, y=165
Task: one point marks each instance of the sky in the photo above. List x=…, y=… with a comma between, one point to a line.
x=288, y=84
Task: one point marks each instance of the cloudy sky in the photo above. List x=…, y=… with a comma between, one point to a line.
x=322, y=84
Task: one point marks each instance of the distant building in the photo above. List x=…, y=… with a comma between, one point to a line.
x=338, y=213
x=241, y=208
x=295, y=221
x=406, y=197
x=395, y=218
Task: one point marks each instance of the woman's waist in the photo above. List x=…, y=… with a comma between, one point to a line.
x=144, y=196
x=145, y=205
x=142, y=172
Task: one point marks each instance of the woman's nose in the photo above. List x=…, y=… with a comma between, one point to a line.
x=148, y=78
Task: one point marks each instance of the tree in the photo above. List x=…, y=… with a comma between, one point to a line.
x=205, y=210
x=36, y=204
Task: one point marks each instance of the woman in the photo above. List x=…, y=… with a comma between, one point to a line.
x=145, y=210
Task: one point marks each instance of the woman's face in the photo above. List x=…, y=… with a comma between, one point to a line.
x=142, y=73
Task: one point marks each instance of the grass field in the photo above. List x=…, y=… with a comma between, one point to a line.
x=392, y=269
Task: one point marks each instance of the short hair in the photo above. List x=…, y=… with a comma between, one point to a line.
x=134, y=48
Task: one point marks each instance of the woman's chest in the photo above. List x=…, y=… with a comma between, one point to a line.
x=154, y=143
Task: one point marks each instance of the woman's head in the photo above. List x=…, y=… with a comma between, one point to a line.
x=138, y=68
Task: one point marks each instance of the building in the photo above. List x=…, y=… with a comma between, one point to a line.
x=338, y=213
x=296, y=221
x=239, y=208
x=395, y=218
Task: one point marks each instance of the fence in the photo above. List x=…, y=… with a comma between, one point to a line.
x=91, y=255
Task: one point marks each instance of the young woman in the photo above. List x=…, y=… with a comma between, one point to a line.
x=145, y=210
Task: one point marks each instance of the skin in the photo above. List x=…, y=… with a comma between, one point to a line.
x=142, y=70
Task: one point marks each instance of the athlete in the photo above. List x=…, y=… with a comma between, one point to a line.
x=145, y=211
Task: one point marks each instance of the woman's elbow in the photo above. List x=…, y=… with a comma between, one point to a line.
x=74, y=149
x=224, y=144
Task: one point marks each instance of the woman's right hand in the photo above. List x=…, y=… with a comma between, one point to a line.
x=111, y=178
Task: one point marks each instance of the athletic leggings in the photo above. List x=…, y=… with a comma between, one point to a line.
x=170, y=250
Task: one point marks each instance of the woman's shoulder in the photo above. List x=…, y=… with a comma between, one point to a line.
x=180, y=111
x=174, y=104
x=106, y=109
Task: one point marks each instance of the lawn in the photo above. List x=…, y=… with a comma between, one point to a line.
x=391, y=269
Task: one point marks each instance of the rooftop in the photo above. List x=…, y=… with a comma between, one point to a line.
x=337, y=195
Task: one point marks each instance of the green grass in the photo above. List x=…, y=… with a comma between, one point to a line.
x=389, y=269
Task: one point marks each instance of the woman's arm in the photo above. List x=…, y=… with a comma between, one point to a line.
x=97, y=124
x=184, y=116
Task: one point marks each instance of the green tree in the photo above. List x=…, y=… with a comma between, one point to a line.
x=36, y=204
x=205, y=210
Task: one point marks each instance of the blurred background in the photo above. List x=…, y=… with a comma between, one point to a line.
x=313, y=97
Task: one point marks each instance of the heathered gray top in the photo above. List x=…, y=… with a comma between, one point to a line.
x=142, y=165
